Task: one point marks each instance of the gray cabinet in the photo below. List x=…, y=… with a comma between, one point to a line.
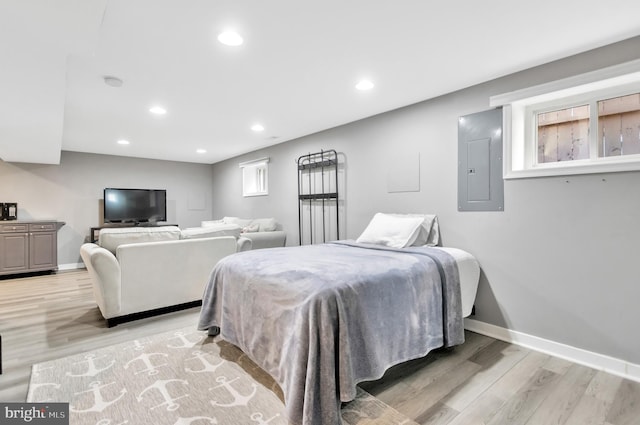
x=28, y=247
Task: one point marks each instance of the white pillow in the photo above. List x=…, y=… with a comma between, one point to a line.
x=397, y=231
x=429, y=233
x=252, y=228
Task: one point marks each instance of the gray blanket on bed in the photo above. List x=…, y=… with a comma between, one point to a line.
x=322, y=318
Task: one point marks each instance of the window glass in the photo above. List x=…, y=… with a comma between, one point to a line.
x=563, y=134
x=619, y=126
x=255, y=179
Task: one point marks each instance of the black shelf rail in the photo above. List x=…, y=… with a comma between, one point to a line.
x=309, y=165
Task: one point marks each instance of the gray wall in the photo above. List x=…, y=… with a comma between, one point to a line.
x=72, y=192
x=559, y=263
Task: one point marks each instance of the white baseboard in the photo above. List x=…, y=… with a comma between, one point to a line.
x=71, y=266
x=577, y=355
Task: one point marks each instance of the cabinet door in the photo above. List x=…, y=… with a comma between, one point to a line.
x=14, y=252
x=43, y=250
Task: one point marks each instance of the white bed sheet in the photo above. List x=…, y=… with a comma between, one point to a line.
x=469, y=271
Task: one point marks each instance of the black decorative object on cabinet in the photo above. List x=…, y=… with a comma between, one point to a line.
x=8, y=211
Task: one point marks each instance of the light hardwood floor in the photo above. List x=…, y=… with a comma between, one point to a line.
x=483, y=381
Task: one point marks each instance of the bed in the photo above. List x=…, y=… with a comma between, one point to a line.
x=322, y=318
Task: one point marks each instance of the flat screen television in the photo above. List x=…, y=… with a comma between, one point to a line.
x=134, y=205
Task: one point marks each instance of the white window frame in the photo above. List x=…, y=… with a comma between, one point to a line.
x=255, y=177
x=520, y=109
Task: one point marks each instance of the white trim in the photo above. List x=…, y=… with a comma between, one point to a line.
x=254, y=162
x=569, y=169
x=577, y=355
x=616, y=71
x=71, y=266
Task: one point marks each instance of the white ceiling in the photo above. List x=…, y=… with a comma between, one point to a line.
x=295, y=73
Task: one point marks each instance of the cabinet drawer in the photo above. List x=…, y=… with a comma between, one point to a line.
x=11, y=228
x=42, y=227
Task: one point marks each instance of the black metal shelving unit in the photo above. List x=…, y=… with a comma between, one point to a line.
x=318, y=191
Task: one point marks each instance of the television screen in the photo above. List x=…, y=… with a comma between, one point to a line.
x=134, y=205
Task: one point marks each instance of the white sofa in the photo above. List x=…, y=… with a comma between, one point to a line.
x=137, y=272
x=263, y=232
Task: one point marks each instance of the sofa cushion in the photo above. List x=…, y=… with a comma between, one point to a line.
x=242, y=222
x=211, y=231
x=265, y=224
x=211, y=223
x=111, y=238
x=247, y=225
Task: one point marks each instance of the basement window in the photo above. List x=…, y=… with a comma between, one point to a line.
x=580, y=125
x=255, y=177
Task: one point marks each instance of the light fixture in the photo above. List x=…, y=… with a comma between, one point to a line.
x=230, y=38
x=364, y=85
x=201, y=151
x=257, y=128
x=112, y=81
x=123, y=142
x=157, y=110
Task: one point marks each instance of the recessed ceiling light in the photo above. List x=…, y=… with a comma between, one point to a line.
x=230, y=38
x=364, y=85
x=112, y=81
x=201, y=150
x=123, y=142
x=257, y=127
x=157, y=110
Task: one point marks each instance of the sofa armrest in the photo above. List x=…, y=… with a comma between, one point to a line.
x=104, y=271
x=244, y=244
x=273, y=239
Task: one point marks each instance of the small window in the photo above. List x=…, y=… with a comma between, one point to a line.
x=585, y=124
x=255, y=177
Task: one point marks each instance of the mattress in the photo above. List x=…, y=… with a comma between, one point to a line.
x=469, y=271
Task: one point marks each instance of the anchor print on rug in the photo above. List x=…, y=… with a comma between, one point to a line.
x=99, y=404
x=259, y=418
x=38, y=369
x=139, y=345
x=92, y=369
x=161, y=386
x=145, y=358
x=238, y=399
x=37, y=372
x=189, y=421
x=206, y=366
x=108, y=422
x=185, y=343
x=34, y=388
